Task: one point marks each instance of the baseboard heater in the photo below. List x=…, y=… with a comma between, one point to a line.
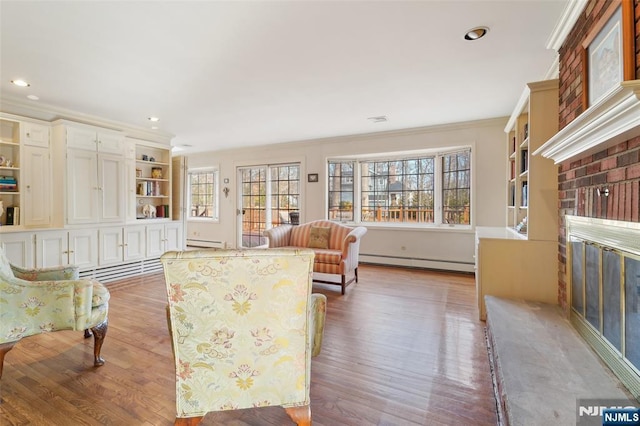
x=206, y=243
x=415, y=262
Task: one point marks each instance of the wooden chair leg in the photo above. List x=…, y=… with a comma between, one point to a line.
x=87, y=333
x=4, y=348
x=187, y=421
x=99, y=332
x=344, y=284
x=301, y=415
x=356, y=270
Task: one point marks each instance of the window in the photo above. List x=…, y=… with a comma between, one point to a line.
x=203, y=194
x=419, y=189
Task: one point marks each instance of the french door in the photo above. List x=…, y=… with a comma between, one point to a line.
x=269, y=195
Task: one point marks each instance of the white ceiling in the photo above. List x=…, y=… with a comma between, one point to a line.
x=231, y=74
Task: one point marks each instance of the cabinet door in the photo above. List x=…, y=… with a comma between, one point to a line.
x=82, y=187
x=111, y=143
x=134, y=242
x=35, y=134
x=112, y=188
x=83, y=247
x=52, y=249
x=111, y=246
x=37, y=186
x=155, y=240
x=173, y=237
x=81, y=138
x=18, y=248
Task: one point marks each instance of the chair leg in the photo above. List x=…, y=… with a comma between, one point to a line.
x=99, y=332
x=301, y=415
x=344, y=284
x=356, y=270
x=87, y=333
x=187, y=421
x=4, y=348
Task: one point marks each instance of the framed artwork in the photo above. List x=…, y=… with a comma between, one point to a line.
x=608, y=53
x=312, y=177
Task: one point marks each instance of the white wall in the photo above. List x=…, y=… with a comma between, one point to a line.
x=443, y=248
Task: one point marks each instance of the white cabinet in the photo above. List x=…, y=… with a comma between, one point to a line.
x=163, y=237
x=95, y=173
x=33, y=134
x=134, y=243
x=95, y=139
x=77, y=247
x=36, y=185
x=18, y=248
x=118, y=244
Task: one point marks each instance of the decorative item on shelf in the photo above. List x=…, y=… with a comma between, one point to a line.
x=138, y=172
x=2, y=161
x=145, y=157
x=142, y=189
x=152, y=159
x=522, y=226
x=156, y=172
x=526, y=130
x=149, y=211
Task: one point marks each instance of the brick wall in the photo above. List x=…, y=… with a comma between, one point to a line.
x=582, y=181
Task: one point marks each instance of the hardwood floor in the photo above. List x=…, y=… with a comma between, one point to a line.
x=402, y=347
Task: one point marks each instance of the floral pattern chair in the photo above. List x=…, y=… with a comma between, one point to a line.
x=244, y=326
x=34, y=301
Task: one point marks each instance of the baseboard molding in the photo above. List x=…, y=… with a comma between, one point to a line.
x=413, y=262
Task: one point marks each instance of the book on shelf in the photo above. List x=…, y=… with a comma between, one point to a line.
x=13, y=216
x=8, y=183
x=525, y=193
x=524, y=164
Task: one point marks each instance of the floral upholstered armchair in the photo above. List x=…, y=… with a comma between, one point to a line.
x=34, y=301
x=244, y=326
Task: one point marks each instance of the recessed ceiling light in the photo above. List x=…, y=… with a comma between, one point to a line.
x=20, y=83
x=378, y=119
x=33, y=97
x=154, y=119
x=476, y=33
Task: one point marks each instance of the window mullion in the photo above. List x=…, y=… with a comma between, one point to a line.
x=437, y=191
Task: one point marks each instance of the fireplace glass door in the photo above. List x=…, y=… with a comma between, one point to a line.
x=605, y=294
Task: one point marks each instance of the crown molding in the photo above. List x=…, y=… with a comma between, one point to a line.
x=613, y=119
x=565, y=24
x=50, y=113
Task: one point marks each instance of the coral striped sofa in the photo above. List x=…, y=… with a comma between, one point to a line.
x=342, y=246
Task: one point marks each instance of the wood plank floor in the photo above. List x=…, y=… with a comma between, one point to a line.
x=402, y=347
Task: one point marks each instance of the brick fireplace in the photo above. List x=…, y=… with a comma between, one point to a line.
x=597, y=151
x=616, y=168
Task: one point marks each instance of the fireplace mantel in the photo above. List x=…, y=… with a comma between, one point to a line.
x=610, y=121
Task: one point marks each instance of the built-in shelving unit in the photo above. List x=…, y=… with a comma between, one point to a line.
x=153, y=181
x=10, y=172
x=519, y=260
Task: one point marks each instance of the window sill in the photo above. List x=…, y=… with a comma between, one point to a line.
x=412, y=227
x=203, y=219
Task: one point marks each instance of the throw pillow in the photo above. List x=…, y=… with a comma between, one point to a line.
x=319, y=237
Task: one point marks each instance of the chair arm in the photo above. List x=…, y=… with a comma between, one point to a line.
x=352, y=237
x=55, y=273
x=278, y=236
x=317, y=314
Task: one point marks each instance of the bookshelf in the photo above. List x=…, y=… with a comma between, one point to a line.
x=10, y=172
x=153, y=181
x=520, y=259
